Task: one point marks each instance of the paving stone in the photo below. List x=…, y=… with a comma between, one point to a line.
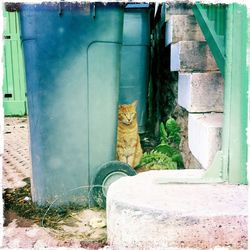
x=201, y=92
x=182, y=28
x=16, y=158
x=40, y=244
x=192, y=56
x=14, y=243
x=32, y=232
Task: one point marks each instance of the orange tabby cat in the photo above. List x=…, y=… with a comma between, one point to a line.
x=128, y=148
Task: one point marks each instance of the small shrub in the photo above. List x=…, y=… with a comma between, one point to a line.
x=171, y=152
x=170, y=133
x=157, y=160
x=166, y=155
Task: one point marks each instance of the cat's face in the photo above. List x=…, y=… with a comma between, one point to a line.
x=127, y=113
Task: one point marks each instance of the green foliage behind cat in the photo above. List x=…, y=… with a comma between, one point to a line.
x=166, y=155
x=170, y=141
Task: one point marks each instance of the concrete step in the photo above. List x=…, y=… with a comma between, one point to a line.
x=142, y=214
x=182, y=28
x=192, y=56
x=204, y=136
x=201, y=92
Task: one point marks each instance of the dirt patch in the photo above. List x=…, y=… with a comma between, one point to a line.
x=10, y=216
x=89, y=226
x=91, y=245
x=64, y=223
x=19, y=200
x=85, y=229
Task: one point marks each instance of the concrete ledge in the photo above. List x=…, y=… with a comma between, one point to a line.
x=182, y=28
x=145, y=215
x=192, y=56
x=201, y=92
x=204, y=136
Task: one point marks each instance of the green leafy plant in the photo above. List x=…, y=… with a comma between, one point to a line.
x=171, y=152
x=157, y=160
x=167, y=154
x=170, y=141
x=170, y=133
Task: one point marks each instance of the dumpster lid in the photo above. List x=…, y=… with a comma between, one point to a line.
x=137, y=6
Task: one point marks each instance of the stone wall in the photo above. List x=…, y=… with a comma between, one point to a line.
x=163, y=94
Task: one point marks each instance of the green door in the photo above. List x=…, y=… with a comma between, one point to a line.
x=14, y=77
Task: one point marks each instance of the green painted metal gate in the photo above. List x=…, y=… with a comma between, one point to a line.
x=14, y=76
x=225, y=30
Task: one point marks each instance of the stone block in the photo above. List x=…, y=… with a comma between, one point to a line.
x=201, y=92
x=182, y=28
x=192, y=56
x=177, y=9
x=142, y=214
x=204, y=136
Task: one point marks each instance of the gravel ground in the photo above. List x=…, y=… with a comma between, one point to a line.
x=20, y=232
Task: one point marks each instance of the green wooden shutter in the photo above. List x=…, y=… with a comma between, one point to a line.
x=14, y=87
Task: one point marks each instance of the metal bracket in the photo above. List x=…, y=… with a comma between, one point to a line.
x=215, y=171
x=214, y=174
x=214, y=41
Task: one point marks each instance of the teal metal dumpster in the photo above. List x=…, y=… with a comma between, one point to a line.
x=72, y=60
x=135, y=59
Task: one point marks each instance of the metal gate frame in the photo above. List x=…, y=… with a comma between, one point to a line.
x=227, y=40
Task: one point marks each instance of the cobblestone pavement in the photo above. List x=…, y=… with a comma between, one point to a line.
x=32, y=237
x=16, y=159
x=16, y=167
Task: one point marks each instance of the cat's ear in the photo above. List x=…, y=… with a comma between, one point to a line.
x=135, y=103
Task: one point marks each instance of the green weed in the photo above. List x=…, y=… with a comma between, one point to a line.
x=167, y=154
